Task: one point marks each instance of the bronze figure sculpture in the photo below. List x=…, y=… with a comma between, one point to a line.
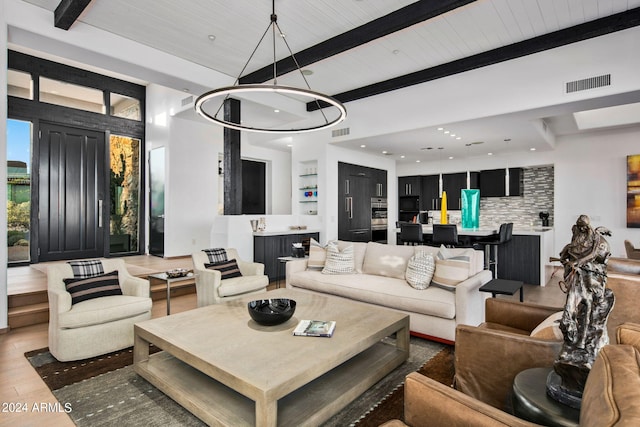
x=585, y=314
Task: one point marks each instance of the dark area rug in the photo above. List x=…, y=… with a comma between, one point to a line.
x=105, y=391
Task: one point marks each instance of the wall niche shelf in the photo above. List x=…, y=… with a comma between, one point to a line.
x=308, y=188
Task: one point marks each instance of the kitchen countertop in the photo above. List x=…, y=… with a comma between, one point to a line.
x=284, y=232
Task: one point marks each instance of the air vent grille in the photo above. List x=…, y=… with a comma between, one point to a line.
x=188, y=100
x=590, y=83
x=340, y=132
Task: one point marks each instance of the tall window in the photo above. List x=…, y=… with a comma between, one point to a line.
x=124, y=190
x=18, y=189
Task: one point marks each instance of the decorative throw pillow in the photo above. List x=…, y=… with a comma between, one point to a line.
x=420, y=270
x=549, y=328
x=86, y=268
x=216, y=255
x=228, y=269
x=317, y=255
x=86, y=288
x=339, y=262
x=451, y=269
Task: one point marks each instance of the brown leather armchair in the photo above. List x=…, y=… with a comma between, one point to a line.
x=611, y=396
x=632, y=252
x=489, y=356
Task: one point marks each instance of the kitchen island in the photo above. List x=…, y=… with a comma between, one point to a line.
x=525, y=257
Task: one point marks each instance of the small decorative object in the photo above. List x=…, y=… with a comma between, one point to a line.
x=584, y=319
x=272, y=311
x=443, y=209
x=262, y=225
x=176, y=272
x=254, y=224
x=297, y=251
x=544, y=216
x=470, y=208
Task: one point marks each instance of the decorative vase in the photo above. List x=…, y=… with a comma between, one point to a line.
x=443, y=209
x=470, y=208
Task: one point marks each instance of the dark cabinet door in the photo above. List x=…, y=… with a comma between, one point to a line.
x=430, y=193
x=453, y=183
x=474, y=180
x=409, y=186
x=267, y=249
x=354, y=202
x=519, y=259
x=378, y=183
x=515, y=182
x=492, y=183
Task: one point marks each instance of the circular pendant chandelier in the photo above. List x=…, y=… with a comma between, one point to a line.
x=210, y=104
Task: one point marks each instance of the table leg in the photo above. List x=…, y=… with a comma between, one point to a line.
x=168, y=297
x=266, y=413
x=522, y=294
x=140, y=349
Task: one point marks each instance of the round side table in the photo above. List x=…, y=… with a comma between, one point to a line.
x=530, y=401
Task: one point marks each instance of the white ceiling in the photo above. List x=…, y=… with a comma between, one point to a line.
x=183, y=28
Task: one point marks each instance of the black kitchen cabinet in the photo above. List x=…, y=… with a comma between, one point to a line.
x=493, y=182
x=453, y=184
x=430, y=193
x=267, y=249
x=379, y=183
x=409, y=185
x=357, y=185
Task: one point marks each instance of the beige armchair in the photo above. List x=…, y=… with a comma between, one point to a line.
x=212, y=289
x=96, y=326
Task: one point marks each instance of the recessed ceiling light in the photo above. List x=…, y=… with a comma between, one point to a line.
x=276, y=111
x=289, y=145
x=395, y=51
x=402, y=157
x=489, y=154
x=363, y=146
x=450, y=157
x=446, y=131
x=384, y=152
x=459, y=137
x=452, y=135
x=307, y=72
x=417, y=161
x=532, y=149
x=211, y=37
x=440, y=128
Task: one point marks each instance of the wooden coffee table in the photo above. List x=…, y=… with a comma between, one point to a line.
x=228, y=370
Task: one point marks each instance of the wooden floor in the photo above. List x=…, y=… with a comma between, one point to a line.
x=20, y=384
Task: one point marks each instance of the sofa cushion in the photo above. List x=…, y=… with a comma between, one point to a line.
x=216, y=255
x=387, y=260
x=228, y=269
x=379, y=290
x=338, y=261
x=103, y=310
x=476, y=257
x=549, y=328
x=359, y=251
x=612, y=391
x=83, y=289
x=317, y=254
x=242, y=285
x=420, y=270
x=451, y=268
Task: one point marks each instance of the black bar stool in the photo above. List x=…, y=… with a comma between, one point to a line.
x=445, y=234
x=411, y=233
x=491, y=244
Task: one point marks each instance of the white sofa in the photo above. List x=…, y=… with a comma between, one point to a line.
x=379, y=280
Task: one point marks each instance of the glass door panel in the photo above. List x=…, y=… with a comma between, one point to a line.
x=18, y=190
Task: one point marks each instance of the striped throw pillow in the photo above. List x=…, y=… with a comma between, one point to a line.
x=317, y=255
x=228, y=269
x=86, y=268
x=451, y=269
x=86, y=288
x=338, y=262
x=420, y=270
x=216, y=254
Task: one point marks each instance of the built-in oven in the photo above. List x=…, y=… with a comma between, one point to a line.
x=378, y=213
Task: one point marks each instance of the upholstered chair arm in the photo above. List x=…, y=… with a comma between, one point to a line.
x=248, y=268
x=628, y=333
x=623, y=266
x=470, y=301
x=135, y=286
x=523, y=316
x=59, y=301
x=487, y=361
x=430, y=403
x=294, y=266
x=207, y=284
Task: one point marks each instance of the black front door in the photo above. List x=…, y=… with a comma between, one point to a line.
x=72, y=207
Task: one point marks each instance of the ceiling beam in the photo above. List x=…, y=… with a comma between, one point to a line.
x=591, y=29
x=68, y=11
x=400, y=19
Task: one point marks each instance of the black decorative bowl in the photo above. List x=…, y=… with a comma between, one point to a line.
x=272, y=311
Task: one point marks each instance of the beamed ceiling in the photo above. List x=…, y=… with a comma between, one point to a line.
x=357, y=49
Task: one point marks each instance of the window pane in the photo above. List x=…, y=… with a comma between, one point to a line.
x=18, y=189
x=70, y=95
x=126, y=107
x=124, y=189
x=19, y=84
